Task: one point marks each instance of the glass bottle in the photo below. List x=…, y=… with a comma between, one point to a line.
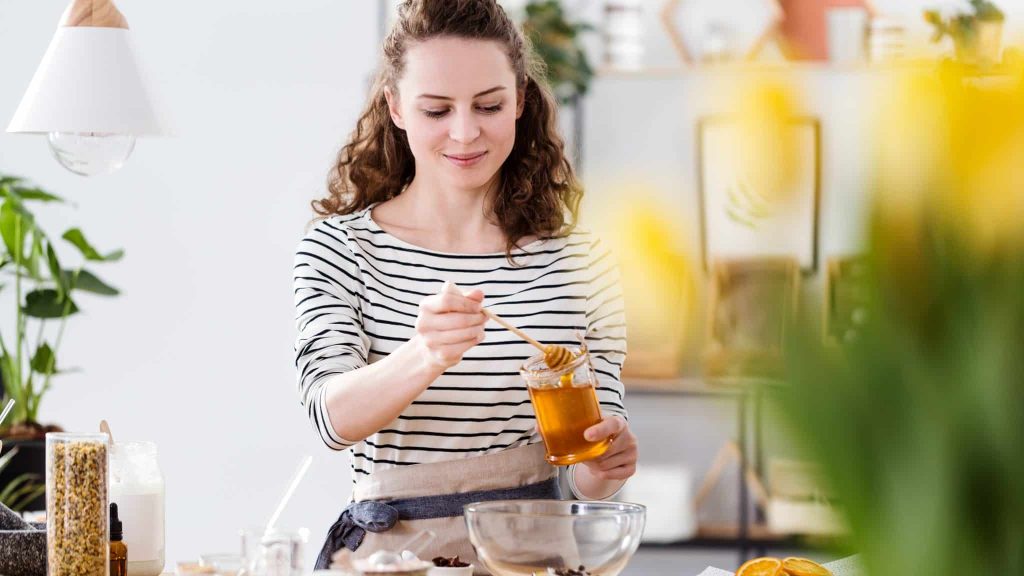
x=77, y=526
x=137, y=485
x=118, y=550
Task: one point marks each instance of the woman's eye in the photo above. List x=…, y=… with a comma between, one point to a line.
x=484, y=109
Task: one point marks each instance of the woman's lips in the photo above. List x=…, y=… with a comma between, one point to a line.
x=465, y=160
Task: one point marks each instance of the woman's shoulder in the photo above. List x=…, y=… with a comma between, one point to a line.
x=586, y=245
x=339, y=231
x=577, y=238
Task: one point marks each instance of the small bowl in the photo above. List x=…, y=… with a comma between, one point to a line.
x=369, y=566
x=193, y=569
x=224, y=564
x=451, y=571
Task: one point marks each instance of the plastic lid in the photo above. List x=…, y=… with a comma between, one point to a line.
x=115, y=524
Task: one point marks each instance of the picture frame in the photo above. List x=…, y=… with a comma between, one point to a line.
x=751, y=304
x=782, y=228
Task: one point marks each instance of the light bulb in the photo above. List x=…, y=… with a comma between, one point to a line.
x=91, y=153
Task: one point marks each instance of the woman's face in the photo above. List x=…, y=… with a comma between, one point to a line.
x=458, y=105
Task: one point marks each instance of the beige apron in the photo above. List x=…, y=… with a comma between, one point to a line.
x=505, y=469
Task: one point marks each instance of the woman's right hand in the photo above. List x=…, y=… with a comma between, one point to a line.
x=449, y=323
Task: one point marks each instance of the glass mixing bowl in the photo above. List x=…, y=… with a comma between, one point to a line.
x=554, y=537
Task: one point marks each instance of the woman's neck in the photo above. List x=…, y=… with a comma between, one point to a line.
x=443, y=219
x=446, y=207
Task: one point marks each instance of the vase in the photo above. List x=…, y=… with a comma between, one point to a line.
x=984, y=47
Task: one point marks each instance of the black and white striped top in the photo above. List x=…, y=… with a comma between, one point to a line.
x=357, y=289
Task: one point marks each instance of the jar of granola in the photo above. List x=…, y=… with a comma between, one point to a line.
x=77, y=529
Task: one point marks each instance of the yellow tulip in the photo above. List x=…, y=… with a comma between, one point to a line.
x=951, y=152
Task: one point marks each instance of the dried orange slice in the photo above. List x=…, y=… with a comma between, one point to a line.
x=803, y=567
x=761, y=567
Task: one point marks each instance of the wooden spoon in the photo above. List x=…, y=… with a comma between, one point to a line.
x=105, y=428
x=555, y=356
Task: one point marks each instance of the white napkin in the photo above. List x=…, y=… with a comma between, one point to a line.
x=845, y=567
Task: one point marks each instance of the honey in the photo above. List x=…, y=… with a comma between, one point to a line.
x=564, y=412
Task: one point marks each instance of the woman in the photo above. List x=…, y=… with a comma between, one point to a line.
x=454, y=176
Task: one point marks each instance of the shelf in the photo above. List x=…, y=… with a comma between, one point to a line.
x=679, y=387
x=694, y=387
x=666, y=72
x=728, y=537
x=997, y=74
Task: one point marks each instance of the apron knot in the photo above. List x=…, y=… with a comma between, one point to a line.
x=351, y=527
x=373, y=516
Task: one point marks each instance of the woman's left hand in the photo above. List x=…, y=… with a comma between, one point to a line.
x=619, y=461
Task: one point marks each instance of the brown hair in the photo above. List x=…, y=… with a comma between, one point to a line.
x=538, y=193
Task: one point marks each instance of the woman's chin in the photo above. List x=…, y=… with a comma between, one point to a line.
x=476, y=181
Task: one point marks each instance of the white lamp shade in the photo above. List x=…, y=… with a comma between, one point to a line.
x=88, y=81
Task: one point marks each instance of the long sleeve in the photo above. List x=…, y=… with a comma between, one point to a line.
x=331, y=339
x=357, y=296
x=606, y=326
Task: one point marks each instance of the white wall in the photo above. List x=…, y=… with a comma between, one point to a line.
x=197, y=352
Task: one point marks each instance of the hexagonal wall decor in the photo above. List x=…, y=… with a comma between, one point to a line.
x=720, y=30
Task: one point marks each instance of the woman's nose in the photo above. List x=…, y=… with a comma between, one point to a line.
x=464, y=128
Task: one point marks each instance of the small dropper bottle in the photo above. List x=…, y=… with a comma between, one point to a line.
x=118, y=550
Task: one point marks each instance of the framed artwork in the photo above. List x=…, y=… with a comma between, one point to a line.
x=739, y=218
x=751, y=304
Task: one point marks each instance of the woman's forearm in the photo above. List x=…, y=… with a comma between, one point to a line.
x=363, y=401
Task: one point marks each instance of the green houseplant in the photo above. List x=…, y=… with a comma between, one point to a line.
x=917, y=422
x=20, y=492
x=557, y=43
x=44, y=298
x=976, y=34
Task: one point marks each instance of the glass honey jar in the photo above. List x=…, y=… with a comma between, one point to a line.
x=565, y=403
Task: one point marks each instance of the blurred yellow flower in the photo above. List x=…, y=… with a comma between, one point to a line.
x=951, y=151
x=657, y=279
x=769, y=153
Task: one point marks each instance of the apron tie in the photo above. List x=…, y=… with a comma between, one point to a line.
x=378, y=516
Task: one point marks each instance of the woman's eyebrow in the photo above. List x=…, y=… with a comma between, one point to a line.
x=477, y=95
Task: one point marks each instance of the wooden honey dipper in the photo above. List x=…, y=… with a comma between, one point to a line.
x=555, y=356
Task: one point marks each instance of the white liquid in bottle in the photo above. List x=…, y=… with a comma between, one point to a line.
x=137, y=486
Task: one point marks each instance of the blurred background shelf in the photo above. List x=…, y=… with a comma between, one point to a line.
x=653, y=72
x=698, y=386
x=680, y=387
x=748, y=535
x=760, y=539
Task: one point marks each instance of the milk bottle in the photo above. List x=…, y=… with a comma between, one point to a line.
x=137, y=486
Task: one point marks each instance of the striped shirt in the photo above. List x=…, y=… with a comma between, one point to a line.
x=357, y=291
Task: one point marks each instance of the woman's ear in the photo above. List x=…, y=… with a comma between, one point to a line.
x=520, y=102
x=393, y=108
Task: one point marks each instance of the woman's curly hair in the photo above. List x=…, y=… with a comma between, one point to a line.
x=538, y=193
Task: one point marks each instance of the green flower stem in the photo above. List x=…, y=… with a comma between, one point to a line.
x=56, y=344
x=19, y=325
x=3, y=350
x=39, y=334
